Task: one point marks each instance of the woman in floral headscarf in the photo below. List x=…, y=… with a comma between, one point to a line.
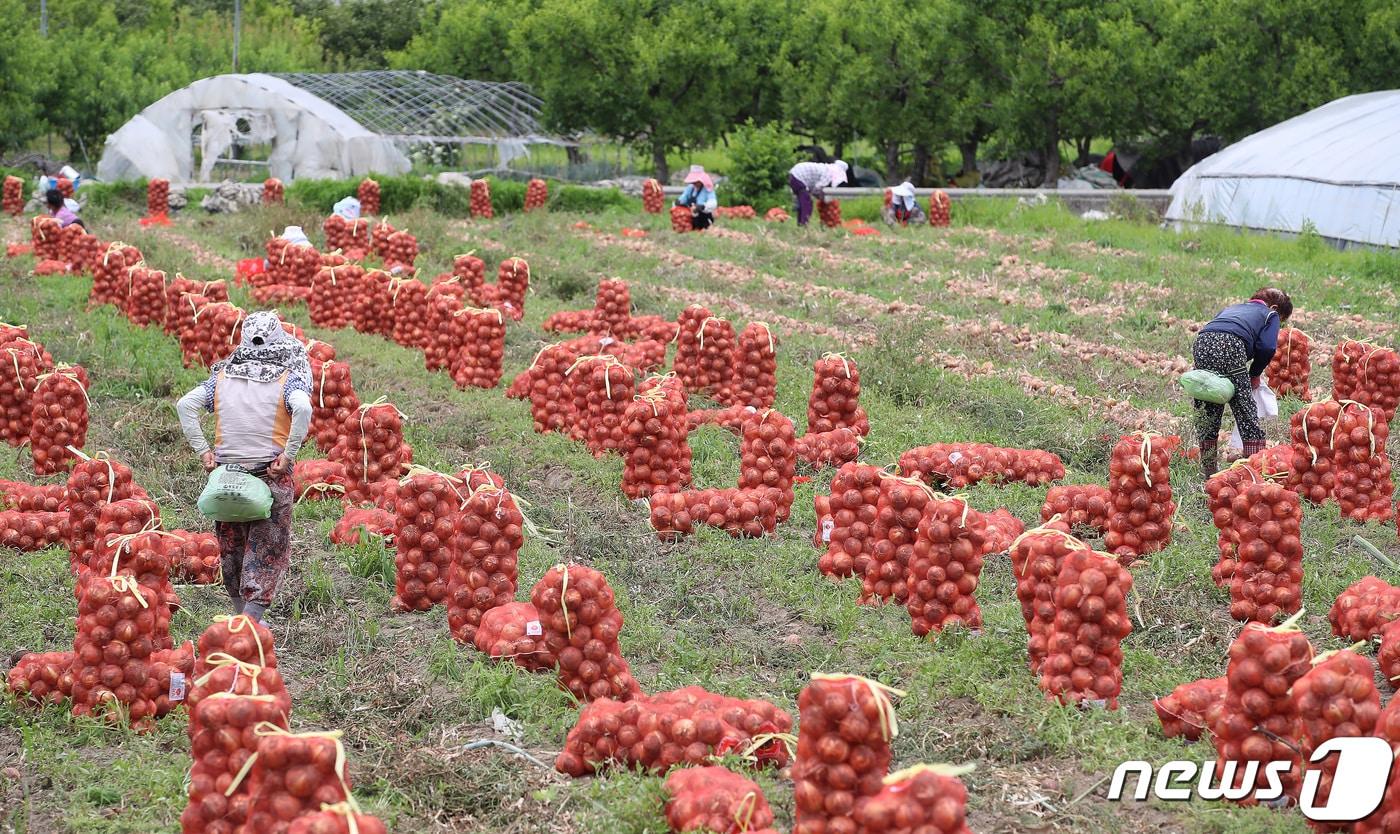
x=261, y=401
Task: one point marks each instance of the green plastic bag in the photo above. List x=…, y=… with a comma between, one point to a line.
x=1208, y=386
x=233, y=494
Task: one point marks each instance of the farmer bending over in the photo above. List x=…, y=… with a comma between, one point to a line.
x=261, y=400
x=1238, y=344
x=904, y=206
x=811, y=179
x=699, y=194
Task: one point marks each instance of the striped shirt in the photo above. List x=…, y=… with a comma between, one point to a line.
x=812, y=174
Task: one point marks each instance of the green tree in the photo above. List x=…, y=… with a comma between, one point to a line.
x=466, y=38
x=21, y=77
x=760, y=158
x=362, y=34
x=653, y=73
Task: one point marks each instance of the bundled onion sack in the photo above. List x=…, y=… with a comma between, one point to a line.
x=1084, y=656
x=177, y=310
x=755, y=367
x=1364, y=608
x=1388, y=655
x=333, y=291
x=685, y=726
x=28, y=532
x=145, y=296
x=481, y=199
x=1337, y=698
x=687, y=362
x=603, y=387
x=318, y=479
x=846, y=523
x=427, y=508
x=409, y=298
x=1002, y=530
x=1084, y=507
x=40, y=678
x=1258, y=721
x=334, y=404
x=45, y=233
x=371, y=310
x=655, y=446
x=581, y=625
x=742, y=513
x=1368, y=374
x=512, y=282
x=400, y=250
x=374, y=448
x=222, y=741
x=1266, y=534
x=536, y=194
x=372, y=520
x=341, y=818
x=568, y=321
x=21, y=365
x=1386, y=818
x=893, y=537
x=12, y=196
x=1363, y=483
x=1143, y=511
x=1191, y=708
x=551, y=391
x=116, y=636
x=939, y=208
x=157, y=197
x=92, y=483
x=830, y=213
x=58, y=418
x=843, y=751
x=368, y=195
x=928, y=799
x=831, y=448
x=237, y=636
x=292, y=776
x=714, y=798
x=768, y=456
x=470, y=272
x=31, y=498
x=477, y=363
x=714, y=373
x=612, y=310
x=273, y=192
x=653, y=198
x=109, y=278
x=195, y=558
x=482, y=576
x=944, y=567
x=1221, y=491
x=1289, y=369
x=835, y=400
x=681, y=219
x=1313, y=474
x=216, y=331
x=513, y=632
x=443, y=340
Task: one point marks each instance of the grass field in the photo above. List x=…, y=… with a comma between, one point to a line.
x=1018, y=326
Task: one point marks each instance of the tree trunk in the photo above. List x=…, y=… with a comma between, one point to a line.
x=968, y=148
x=1052, y=151
x=838, y=149
x=1081, y=146
x=576, y=154
x=891, y=161
x=921, y=165
x=658, y=162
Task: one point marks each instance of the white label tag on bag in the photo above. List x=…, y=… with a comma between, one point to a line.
x=605, y=341
x=955, y=457
x=533, y=629
x=828, y=524
x=177, y=687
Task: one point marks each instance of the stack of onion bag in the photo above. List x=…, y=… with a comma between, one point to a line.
x=755, y=380
x=581, y=624
x=550, y=395
x=92, y=483
x=835, y=400
x=1036, y=558
x=427, y=511
x=1288, y=371
x=687, y=362
x=294, y=776
x=894, y=538
x=768, y=457
x=1266, y=533
x=1313, y=473
x=1367, y=374
x=1139, y=480
x=686, y=726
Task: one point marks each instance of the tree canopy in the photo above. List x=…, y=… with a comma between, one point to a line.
x=909, y=80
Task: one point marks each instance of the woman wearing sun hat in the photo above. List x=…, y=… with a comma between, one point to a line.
x=904, y=207
x=811, y=179
x=699, y=195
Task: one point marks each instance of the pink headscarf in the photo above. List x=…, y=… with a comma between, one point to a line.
x=697, y=174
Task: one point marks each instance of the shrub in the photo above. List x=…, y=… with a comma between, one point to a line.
x=760, y=157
